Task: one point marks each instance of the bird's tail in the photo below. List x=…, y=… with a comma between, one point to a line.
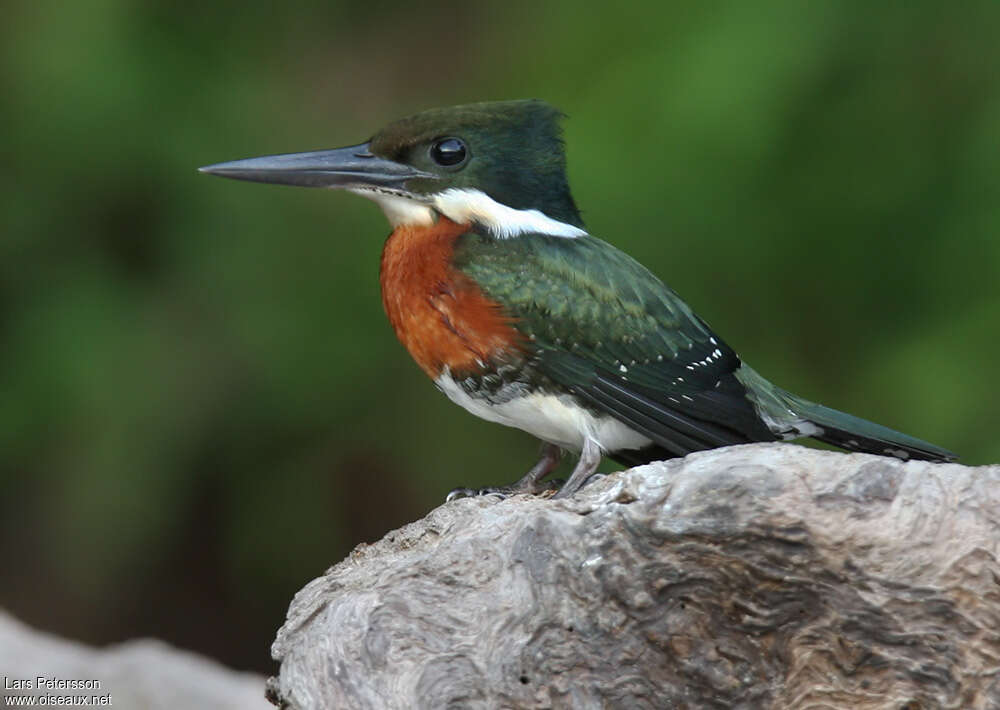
x=857, y=434
x=789, y=416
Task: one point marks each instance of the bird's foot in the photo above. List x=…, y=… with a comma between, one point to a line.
x=530, y=483
x=585, y=471
x=513, y=489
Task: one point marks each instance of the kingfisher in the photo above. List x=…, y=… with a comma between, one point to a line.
x=518, y=314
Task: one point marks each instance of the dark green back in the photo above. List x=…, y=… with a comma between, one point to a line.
x=605, y=328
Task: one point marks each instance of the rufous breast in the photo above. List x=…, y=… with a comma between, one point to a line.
x=439, y=314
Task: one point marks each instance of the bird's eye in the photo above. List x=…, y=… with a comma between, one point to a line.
x=448, y=152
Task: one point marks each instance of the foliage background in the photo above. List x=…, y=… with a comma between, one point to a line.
x=201, y=403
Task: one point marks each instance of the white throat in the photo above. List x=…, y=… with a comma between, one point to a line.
x=464, y=205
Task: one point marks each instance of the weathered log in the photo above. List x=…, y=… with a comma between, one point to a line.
x=763, y=576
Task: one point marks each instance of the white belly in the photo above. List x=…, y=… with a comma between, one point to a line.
x=552, y=418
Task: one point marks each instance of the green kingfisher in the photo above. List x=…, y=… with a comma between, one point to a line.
x=521, y=316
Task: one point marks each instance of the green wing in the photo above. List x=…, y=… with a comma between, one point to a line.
x=610, y=332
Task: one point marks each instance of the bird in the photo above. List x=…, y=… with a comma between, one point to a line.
x=519, y=315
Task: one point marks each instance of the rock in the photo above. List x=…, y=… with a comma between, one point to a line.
x=759, y=576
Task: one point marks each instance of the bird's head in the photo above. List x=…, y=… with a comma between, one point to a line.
x=500, y=165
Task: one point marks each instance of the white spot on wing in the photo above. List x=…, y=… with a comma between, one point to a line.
x=792, y=430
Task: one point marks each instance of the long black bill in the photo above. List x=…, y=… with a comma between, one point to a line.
x=354, y=166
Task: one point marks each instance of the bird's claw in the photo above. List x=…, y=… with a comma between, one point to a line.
x=457, y=493
x=504, y=491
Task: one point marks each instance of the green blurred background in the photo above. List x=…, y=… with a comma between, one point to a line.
x=202, y=405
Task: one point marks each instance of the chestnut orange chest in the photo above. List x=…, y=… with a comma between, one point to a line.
x=439, y=314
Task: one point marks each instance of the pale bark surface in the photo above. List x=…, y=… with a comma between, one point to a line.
x=763, y=576
x=137, y=675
